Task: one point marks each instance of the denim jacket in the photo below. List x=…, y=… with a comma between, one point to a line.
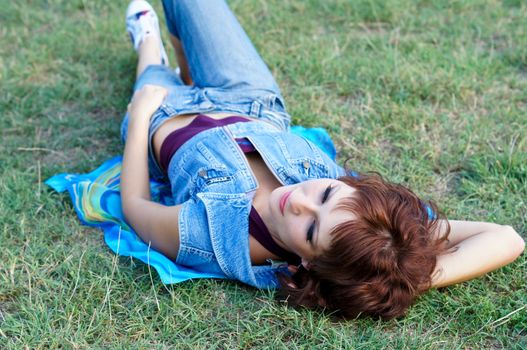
x=211, y=178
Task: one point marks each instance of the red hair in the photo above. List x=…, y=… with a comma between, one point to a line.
x=378, y=262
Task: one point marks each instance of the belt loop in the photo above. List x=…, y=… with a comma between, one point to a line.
x=255, y=109
x=169, y=110
x=270, y=101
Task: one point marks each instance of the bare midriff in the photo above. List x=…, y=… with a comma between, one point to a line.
x=267, y=182
x=179, y=122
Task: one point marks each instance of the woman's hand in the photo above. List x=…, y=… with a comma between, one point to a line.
x=146, y=101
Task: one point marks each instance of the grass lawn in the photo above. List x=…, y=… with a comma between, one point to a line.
x=432, y=94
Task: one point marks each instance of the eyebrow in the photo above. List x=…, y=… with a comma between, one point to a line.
x=331, y=195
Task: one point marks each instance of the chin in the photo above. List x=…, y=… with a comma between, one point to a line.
x=274, y=204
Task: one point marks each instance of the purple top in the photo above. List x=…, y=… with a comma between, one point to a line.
x=178, y=137
x=258, y=230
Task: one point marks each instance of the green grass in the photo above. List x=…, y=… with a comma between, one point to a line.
x=429, y=93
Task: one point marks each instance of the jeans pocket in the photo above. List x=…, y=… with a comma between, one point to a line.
x=274, y=111
x=276, y=103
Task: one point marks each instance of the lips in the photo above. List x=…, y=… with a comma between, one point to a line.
x=283, y=201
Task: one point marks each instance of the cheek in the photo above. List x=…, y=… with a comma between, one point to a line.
x=299, y=238
x=290, y=235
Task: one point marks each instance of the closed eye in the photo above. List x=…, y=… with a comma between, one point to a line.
x=311, y=230
x=326, y=194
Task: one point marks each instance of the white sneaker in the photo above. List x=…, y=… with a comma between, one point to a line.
x=141, y=21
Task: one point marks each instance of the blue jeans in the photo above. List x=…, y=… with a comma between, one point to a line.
x=228, y=73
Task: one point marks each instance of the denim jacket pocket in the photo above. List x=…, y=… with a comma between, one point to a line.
x=213, y=180
x=213, y=175
x=303, y=169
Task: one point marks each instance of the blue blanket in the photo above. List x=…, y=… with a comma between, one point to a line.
x=97, y=201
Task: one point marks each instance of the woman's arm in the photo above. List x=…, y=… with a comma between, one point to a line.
x=475, y=248
x=153, y=222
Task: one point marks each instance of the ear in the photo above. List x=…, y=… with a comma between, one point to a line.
x=306, y=264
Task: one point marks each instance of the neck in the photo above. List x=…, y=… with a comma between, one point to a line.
x=267, y=183
x=264, y=212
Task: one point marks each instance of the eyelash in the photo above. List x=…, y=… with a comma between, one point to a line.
x=311, y=229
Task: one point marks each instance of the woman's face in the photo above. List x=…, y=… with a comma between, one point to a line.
x=303, y=215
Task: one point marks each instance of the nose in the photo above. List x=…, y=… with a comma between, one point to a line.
x=300, y=203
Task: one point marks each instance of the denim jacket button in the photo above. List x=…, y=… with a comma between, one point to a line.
x=202, y=173
x=306, y=164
